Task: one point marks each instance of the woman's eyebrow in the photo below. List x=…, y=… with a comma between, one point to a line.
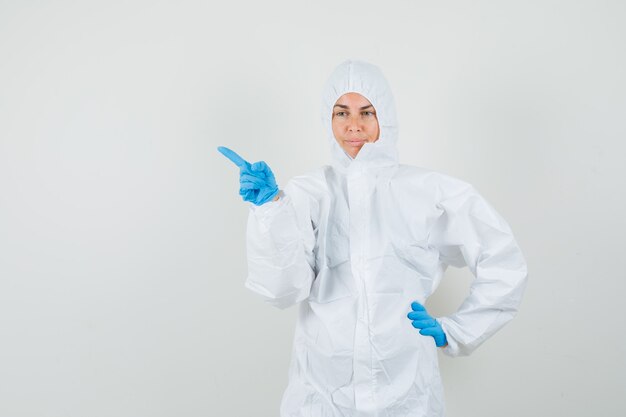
x=343, y=106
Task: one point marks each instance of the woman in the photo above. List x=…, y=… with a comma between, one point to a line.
x=361, y=244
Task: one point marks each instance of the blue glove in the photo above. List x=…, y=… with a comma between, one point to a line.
x=428, y=325
x=256, y=181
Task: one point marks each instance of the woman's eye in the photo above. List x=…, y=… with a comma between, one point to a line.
x=340, y=113
x=368, y=113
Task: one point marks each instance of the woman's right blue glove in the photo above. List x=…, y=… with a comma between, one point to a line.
x=256, y=181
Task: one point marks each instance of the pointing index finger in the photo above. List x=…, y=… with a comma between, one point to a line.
x=232, y=155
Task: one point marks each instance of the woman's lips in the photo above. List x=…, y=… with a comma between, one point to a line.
x=355, y=142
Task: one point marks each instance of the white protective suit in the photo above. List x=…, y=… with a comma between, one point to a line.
x=355, y=243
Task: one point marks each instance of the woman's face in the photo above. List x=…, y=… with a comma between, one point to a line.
x=354, y=123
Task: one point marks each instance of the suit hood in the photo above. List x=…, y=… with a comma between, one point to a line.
x=360, y=77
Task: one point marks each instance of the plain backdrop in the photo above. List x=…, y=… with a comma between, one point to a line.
x=122, y=234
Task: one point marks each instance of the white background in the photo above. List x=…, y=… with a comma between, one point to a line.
x=122, y=234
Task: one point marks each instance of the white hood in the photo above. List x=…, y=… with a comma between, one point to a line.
x=367, y=80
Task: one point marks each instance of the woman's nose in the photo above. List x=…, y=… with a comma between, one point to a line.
x=354, y=124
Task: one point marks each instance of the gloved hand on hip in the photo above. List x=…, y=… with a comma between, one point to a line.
x=428, y=325
x=256, y=181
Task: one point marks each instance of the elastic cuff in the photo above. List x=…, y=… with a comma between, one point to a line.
x=266, y=213
x=452, y=349
x=270, y=206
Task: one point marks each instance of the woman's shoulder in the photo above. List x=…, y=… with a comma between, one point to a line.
x=440, y=183
x=430, y=177
x=311, y=183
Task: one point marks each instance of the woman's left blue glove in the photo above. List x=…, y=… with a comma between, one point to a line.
x=256, y=181
x=428, y=325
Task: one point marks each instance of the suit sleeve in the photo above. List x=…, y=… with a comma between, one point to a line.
x=469, y=232
x=280, y=248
